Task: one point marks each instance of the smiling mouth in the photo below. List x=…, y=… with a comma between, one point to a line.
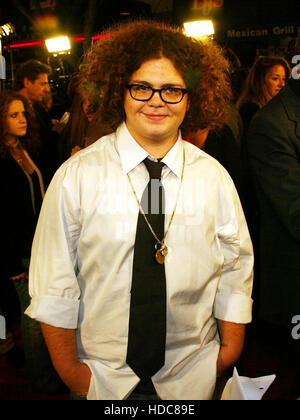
x=155, y=117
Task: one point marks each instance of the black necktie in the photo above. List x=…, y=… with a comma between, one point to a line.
x=147, y=324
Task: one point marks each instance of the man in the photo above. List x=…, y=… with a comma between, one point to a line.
x=100, y=257
x=32, y=81
x=274, y=152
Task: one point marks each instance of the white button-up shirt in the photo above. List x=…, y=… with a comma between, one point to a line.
x=82, y=256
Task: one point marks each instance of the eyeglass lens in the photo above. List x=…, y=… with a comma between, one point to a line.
x=145, y=93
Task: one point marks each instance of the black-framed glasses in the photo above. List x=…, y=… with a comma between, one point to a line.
x=170, y=94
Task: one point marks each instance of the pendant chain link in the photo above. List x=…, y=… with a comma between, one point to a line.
x=161, y=242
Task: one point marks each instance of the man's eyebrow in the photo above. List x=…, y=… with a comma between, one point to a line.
x=144, y=82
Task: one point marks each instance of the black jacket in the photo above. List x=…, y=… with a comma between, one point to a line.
x=17, y=218
x=273, y=146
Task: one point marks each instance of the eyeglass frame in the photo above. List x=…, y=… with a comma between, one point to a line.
x=183, y=91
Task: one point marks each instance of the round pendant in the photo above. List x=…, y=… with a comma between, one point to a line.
x=161, y=254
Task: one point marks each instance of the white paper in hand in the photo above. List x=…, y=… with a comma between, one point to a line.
x=244, y=388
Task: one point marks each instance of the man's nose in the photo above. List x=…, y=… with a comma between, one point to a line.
x=156, y=100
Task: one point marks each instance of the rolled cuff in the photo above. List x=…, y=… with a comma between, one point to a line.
x=233, y=308
x=54, y=311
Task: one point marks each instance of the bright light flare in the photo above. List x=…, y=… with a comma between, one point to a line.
x=56, y=45
x=7, y=30
x=199, y=28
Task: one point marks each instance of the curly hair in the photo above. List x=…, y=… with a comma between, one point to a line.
x=255, y=89
x=109, y=64
x=31, y=139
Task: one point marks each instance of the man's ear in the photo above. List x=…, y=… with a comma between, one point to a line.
x=26, y=82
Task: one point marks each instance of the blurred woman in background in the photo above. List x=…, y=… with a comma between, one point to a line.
x=22, y=192
x=266, y=78
x=21, y=184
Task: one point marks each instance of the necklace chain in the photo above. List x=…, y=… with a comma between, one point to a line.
x=161, y=242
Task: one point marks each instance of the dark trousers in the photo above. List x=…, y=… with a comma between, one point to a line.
x=42, y=375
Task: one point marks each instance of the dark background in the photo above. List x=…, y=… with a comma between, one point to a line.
x=42, y=19
x=71, y=14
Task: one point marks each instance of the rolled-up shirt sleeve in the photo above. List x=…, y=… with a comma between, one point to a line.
x=53, y=285
x=233, y=302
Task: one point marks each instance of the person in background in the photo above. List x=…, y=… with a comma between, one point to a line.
x=18, y=170
x=221, y=144
x=224, y=143
x=236, y=77
x=75, y=121
x=16, y=215
x=266, y=78
x=32, y=81
x=88, y=112
x=273, y=146
x=22, y=191
x=137, y=302
x=84, y=124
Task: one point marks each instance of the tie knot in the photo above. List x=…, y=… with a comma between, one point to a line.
x=154, y=168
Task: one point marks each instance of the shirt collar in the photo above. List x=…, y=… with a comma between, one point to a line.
x=174, y=158
x=132, y=154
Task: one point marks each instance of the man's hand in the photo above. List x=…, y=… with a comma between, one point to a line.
x=62, y=348
x=232, y=342
x=79, y=380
